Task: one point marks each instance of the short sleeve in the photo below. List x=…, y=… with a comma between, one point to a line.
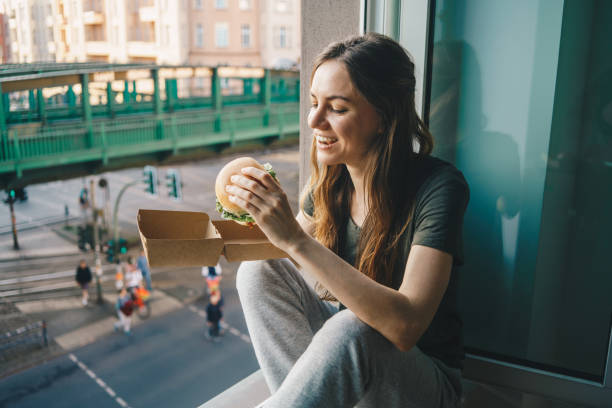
x=308, y=205
x=439, y=211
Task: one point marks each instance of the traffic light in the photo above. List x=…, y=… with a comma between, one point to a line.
x=150, y=179
x=10, y=196
x=173, y=182
x=122, y=246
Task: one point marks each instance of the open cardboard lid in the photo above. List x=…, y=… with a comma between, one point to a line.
x=179, y=238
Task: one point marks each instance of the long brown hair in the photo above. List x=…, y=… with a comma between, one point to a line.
x=383, y=73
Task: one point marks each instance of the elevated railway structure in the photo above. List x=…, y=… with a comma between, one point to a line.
x=60, y=121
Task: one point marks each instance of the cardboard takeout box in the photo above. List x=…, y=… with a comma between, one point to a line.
x=186, y=238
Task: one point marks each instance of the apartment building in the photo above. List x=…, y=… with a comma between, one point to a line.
x=280, y=33
x=208, y=32
x=30, y=34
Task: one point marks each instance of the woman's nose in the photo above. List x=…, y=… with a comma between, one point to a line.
x=316, y=118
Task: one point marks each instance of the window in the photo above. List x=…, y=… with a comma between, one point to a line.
x=244, y=4
x=535, y=286
x=281, y=37
x=221, y=35
x=245, y=35
x=199, y=35
x=198, y=4
x=220, y=4
x=282, y=6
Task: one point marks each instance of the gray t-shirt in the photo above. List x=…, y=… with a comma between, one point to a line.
x=441, y=199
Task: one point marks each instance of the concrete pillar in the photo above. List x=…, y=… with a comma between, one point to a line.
x=40, y=105
x=86, y=108
x=322, y=23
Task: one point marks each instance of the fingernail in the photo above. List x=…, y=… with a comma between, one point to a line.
x=228, y=188
x=234, y=179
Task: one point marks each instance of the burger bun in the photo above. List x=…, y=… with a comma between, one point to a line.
x=223, y=179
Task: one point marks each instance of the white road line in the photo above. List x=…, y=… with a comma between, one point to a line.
x=98, y=381
x=224, y=325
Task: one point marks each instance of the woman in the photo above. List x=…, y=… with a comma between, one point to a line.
x=83, y=278
x=379, y=229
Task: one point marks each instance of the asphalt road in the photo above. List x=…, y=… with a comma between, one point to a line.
x=166, y=363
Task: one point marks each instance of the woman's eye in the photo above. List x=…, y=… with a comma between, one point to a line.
x=338, y=110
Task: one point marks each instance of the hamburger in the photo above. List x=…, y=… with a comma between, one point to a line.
x=229, y=210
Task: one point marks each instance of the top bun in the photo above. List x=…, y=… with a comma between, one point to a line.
x=223, y=179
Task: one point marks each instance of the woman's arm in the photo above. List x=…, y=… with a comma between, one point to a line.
x=401, y=316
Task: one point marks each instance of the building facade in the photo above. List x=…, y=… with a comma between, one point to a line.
x=201, y=32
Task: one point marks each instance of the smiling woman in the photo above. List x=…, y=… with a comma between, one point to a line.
x=379, y=229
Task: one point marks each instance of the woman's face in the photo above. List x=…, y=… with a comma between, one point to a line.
x=344, y=123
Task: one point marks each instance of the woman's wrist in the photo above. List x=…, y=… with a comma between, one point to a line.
x=297, y=243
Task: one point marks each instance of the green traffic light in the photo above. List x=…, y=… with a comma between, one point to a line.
x=12, y=193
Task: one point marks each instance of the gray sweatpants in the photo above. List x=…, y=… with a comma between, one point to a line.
x=311, y=355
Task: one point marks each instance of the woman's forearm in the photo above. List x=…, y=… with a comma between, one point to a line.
x=384, y=309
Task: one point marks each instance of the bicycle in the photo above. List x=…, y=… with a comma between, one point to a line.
x=142, y=302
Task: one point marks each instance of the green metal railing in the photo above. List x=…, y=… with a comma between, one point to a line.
x=32, y=148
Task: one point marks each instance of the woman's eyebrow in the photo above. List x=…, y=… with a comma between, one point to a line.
x=332, y=97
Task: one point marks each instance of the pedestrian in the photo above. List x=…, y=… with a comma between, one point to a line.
x=119, y=278
x=83, y=278
x=133, y=276
x=143, y=265
x=214, y=315
x=213, y=277
x=379, y=228
x=125, y=307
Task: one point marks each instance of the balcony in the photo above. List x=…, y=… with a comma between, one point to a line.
x=97, y=48
x=93, y=17
x=147, y=14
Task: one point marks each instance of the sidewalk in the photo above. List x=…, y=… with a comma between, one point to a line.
x=39, y=243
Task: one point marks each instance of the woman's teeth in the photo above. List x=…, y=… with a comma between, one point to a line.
x=326, y=140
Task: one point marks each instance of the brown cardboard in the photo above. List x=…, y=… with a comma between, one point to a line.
x=184, y=238
x=242, y=243
x=179, y=238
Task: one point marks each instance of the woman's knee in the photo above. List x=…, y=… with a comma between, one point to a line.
x=255, y=276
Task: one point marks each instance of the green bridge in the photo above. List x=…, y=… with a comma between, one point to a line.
x=65, y=120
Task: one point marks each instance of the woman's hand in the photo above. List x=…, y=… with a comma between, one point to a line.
x=257, y=192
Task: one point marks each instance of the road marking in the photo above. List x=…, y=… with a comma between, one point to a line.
x=224, y=325
x=98, y=381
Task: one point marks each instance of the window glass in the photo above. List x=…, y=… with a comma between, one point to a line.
x=221, y=35
x=521, y=103
x=220, y=4
x=245, y=35
x=199, y=32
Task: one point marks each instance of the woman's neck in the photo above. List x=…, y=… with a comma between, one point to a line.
x=359, y=201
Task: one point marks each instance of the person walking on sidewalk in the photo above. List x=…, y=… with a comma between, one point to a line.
x=133, y=275
x=213, y=277
x=124, y=306
x=143, y=265
x=83, y=278
x=214, y=315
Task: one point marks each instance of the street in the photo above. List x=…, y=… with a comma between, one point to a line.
x=167, y=361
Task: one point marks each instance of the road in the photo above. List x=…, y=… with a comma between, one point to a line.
x=166, y=363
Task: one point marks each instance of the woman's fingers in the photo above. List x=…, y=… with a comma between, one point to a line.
x=246, y=199
x=262, y=176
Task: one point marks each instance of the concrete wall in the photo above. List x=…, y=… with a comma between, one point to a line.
x=323, y=21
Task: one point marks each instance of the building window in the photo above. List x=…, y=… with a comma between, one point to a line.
x=198, y=4
x=220, y=4
x=221, y=35
x=199, y=35
x=281, y=37
x=245, y=35
x=244, y=4
x=282, y=6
